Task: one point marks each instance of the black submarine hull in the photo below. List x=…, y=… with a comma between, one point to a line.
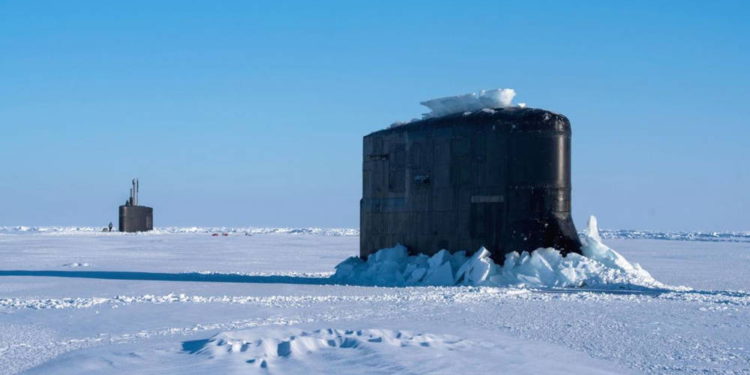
x=498, y=179
x=136, y=219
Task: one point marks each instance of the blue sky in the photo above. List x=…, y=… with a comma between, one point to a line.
x=252, y=112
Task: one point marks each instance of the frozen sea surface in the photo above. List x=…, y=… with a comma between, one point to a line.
x=183, y=301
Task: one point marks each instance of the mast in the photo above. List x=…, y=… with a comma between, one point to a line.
x=134, y=193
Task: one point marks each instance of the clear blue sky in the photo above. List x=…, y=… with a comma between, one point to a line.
x=252, y=112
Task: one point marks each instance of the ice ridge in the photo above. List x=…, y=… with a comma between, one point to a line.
x=599, y=267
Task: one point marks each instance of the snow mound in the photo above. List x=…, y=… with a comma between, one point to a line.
x=76, y=264
x=263, y=348
x=599, y=267
x=497, y=98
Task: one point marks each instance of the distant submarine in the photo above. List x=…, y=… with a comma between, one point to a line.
x=133, y=217
x=497, y=178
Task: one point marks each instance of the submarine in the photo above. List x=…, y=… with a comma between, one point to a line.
x=133, y=217
x=498, y=178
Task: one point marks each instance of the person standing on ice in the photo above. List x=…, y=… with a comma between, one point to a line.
x=110, y=226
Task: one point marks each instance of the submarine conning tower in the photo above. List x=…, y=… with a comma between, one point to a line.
x=133, y=217
x=494, y=178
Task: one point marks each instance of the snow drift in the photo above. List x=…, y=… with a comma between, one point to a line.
x=598, y=267
x=280, y=350
x=264, y=347
x=497, y=98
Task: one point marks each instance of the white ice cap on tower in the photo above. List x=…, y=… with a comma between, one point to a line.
x=497, y=98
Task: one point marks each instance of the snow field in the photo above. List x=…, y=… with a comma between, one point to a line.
x=163, y=303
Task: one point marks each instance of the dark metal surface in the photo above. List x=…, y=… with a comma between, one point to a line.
x=136, y=218
x=498, y=179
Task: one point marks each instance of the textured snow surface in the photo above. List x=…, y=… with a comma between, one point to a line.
x=53, y=230
x=605, y=233
x=599, y=267
x=192, y=303
x=382, y=350
x=677, y=236
x=497, y=98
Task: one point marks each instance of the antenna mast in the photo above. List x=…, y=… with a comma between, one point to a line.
x=134, y=192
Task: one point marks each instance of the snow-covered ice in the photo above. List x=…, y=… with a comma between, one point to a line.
x=605, y=233
x=598, y=267
x=183, y=301
x=57, y=230
x=496, y=98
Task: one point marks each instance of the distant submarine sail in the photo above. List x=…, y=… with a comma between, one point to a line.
x=133, y=217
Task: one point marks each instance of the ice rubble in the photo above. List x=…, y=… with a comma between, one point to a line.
x=599, y=267
x=497, y=98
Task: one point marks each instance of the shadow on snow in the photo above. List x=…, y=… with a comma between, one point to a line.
x=325, y=280
x=161, y=276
